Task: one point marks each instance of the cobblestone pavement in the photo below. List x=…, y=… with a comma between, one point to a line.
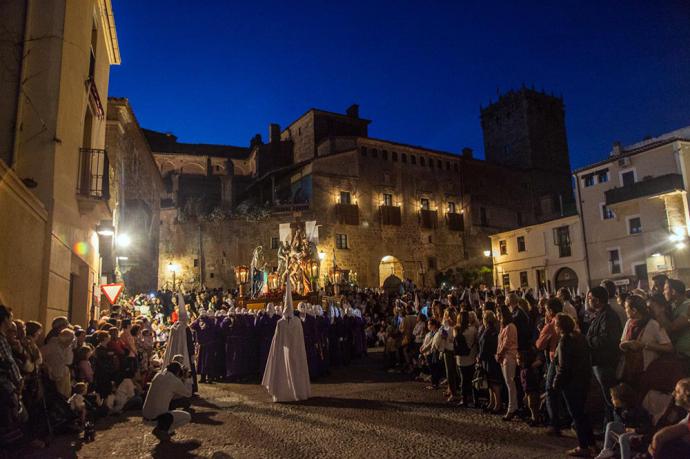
x=358, y=411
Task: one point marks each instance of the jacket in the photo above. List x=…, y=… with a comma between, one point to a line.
x=573, y=365
x=603, y=336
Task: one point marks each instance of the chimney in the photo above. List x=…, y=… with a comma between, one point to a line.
x=274, y=133
x=467, y=153
x=616, y=149
x=353, y=111
x=256, y=141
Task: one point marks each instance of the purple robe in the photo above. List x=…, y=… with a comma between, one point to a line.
x=204, y=329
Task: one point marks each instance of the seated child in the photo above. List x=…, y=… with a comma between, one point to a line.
x=77, y=403
x=632, y=422
x=530, y=365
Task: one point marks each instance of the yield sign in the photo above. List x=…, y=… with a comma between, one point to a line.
x=112, y=291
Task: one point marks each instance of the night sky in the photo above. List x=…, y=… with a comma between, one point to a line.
x=221, y=71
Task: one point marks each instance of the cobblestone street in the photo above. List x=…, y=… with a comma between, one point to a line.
x=359, y=411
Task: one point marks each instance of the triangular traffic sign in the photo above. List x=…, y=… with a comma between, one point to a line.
x=112, y=291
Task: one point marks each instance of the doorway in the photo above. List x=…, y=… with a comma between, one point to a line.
x=390, y=266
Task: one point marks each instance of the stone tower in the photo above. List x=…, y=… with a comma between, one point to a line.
x=525, y=129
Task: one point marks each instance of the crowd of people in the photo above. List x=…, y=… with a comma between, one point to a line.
x=606, y=363
x=66, y=377
x=532, y=356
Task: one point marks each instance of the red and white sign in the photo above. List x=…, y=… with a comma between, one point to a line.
x=112, y=291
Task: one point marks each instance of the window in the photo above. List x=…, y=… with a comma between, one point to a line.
x=422, y=161
x=614, y=261
x=506, y=281
x=413, y=159
x=374, y=153
x=345, y=197
x=606, y=213
x=523, y=279
x=641, y=273
x=387, y=199
x=425, y=204
x=403, y=157
x=603, y=176
x=394, y=155
x=482, y=217
x=341, y=241
x=588, y=180
x=364, y=151
x=451, y=207
x=275, y=243
x=384, y=155
x=196, y=262
x=212, y=275
x=561, y=237
x=634, y=225
x=628, y=177
x=502, y=248
x=431, y=262
x=521, y=243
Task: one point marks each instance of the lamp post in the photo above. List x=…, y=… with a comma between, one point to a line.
x=173, y=268
x=489, y=254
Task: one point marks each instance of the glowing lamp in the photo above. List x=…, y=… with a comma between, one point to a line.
x=242, y=273
x=322, y=255
x=487, y=253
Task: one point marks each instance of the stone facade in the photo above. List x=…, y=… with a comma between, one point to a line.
x=424, y=212
x=136, y=201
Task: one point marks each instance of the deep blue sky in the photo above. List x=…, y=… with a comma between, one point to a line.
x=221, y=71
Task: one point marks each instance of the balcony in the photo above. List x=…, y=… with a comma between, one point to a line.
x=455, y=221
x=390, y=215
x=654, y=186
x=347, y=214
x=93, y=186
x=428, y=218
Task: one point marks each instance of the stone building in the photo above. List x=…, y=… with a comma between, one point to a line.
x=545, y=256
x=381, y=207
x=634, y=210
x=137, y=200
x=54, y=190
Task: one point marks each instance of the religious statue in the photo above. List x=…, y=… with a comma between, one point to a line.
x=294, y=260
x=258, y=272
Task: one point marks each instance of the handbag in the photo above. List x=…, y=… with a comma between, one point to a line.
x=480, y=381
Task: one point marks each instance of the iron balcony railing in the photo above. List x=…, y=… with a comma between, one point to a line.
x=94, y=174
x=646, y=188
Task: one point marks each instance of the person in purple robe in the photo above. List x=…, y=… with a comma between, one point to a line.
x=322, y=335
x=265, y=329
x=218, y=347
x=204, y=329
x=309, y=332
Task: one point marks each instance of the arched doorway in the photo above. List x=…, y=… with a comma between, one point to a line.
x=389, y=266
x=566, y=277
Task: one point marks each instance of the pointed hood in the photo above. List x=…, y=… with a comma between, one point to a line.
x=270, y=309
x=182, y=314
x=288, y=309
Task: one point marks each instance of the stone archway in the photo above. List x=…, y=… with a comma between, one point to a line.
x=566, y=277
x=390, y=266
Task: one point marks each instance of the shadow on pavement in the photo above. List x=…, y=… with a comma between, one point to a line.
x=170, y=449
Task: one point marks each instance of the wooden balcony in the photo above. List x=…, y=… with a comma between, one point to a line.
x=93, y=186
x=648, y=188
x=390, y=215
x=347, y=214
x=456, y=222
x=428, y=218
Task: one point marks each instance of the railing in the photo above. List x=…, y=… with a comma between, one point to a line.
x=650, y=187
x=428, y=218
x=456, y=222
x=347, y=214
x=390, y=215
x=94, y=174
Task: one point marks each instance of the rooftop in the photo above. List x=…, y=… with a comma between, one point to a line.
x=162, y=142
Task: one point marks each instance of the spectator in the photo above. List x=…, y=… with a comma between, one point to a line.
x=679, y=327
x=488, y=347
x=642, y=340
x=58, y=357
x=603, y=337
x=10, y=384
x=506, y=356
x=674, y=441
x=465, y=344
x=431, y=351
x=445, y=337
x=573, y=373
x=632, y=421
x=615, y=299
x=566, y=299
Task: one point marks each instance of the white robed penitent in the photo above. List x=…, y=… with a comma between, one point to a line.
x=177, y=342
x=287, y=374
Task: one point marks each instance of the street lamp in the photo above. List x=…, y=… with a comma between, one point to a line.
x=123, y=240
x=173, y=268
x=487, y=253
x=105, y=229
x=322, y=255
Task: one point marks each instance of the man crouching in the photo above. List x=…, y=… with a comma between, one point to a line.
x=165, y=386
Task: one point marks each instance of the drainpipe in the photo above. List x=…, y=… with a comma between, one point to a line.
x=584, y=231
x=20, y=84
